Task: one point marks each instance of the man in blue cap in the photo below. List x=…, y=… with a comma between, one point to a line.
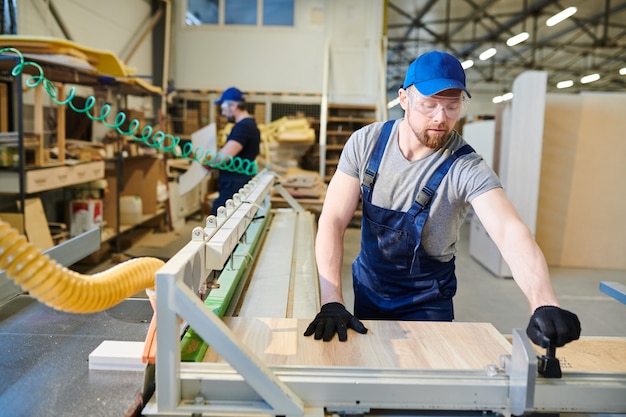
x=243, y=141
x=417, y=178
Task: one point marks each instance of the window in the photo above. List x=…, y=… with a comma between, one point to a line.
x=201, y=12
x=278, y=12
x=240, y=12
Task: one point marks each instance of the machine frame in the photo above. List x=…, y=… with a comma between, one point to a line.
x=244, y=386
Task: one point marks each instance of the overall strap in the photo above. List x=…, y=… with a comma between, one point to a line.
x=421, y=206
x=425, y=195
x=377, y=155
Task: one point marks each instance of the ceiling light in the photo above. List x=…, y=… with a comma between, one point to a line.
x=507, y=96
x=497, y=99
x=565, y=84
x=468, y=63
x=561, y=16
x=487, y=54
x=590, y=78
x=517, y=39
x=622, y=71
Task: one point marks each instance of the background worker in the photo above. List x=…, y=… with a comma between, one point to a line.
x=417, y=178
x=244, y=142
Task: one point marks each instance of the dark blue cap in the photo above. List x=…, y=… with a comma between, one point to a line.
x=230, y=94
x=434, y=72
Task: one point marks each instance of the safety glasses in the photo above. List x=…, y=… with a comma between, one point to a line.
x=226, y=103
x=454, y=107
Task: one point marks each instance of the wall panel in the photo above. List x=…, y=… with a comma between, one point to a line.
x=583, y=197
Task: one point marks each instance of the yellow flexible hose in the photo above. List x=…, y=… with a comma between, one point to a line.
x=63, y=289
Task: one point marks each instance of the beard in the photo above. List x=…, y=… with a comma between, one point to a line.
x=433, y=141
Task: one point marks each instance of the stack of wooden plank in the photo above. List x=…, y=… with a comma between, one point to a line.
x=302, y=183
x=288, y=129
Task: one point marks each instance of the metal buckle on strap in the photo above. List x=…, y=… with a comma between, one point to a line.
x=368, y=177
x=424, y=196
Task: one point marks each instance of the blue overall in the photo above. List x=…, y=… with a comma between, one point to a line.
x=393, y=276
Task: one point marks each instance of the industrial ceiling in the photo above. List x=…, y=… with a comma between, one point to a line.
x=591, y=41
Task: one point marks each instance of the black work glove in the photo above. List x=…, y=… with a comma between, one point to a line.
x=550, y=325
x=334, y=318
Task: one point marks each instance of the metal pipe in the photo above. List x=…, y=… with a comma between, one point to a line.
x=146, y=28
x=59, y=19
x=166, y=55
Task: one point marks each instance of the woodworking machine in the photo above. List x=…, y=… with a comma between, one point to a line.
x=221, y=272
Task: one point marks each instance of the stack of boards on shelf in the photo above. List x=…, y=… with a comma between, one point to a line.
x=104, y=62
x=49, y=48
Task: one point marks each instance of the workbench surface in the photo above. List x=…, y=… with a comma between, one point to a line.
x=45, y=360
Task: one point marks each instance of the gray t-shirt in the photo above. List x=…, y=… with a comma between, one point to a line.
x=399, y=180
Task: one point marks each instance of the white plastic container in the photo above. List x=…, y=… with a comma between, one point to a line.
x=131, y=209
x=85, y=215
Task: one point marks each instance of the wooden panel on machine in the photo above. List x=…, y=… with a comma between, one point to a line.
x=592, y=354
x=388, y=344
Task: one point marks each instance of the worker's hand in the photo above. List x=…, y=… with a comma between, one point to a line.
x=334, y=318
x=550, y=325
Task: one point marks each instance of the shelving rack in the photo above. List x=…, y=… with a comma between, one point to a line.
x=342, y=121
x=45, y=175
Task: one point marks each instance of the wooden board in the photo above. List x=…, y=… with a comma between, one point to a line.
x=592, y=355
x=36, y=224
x=117, y=355
x=105, y=62
x=577, y=180
x=388, y=344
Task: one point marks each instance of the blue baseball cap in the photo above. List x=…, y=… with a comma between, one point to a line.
x=230, y=94
x=434, y=72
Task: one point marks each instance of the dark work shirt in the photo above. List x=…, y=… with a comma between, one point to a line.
x=246, y=133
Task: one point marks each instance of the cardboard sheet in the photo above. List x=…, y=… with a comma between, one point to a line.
x=206, y=139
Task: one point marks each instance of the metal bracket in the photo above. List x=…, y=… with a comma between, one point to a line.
x=549, y=365
x=522, y=369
